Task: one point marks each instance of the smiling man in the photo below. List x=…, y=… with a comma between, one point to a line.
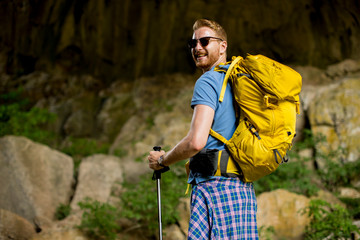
x=222, y=205
x=205, y=54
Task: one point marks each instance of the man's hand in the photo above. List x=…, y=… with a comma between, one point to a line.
x=153, y=159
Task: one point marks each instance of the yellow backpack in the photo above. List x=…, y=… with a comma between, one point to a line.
x=267, y=93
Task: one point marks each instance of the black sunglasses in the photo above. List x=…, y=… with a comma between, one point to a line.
x=204, y=41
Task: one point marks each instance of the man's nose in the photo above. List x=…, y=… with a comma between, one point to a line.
x=198, y=45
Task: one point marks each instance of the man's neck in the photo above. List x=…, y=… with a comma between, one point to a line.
x=222, y=59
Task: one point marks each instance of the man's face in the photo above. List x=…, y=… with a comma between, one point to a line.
x=205, y=57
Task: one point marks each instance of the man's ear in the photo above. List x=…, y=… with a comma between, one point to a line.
x=223, y=47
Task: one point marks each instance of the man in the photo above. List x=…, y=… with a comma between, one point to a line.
x=222, y=207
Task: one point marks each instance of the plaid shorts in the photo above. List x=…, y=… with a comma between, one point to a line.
x=223, y=208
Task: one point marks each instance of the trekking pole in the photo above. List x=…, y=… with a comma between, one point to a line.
x=157, y=176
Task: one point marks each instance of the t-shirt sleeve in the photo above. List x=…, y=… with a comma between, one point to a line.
x=204, y=93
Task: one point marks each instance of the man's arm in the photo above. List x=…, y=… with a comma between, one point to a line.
x=190, y=145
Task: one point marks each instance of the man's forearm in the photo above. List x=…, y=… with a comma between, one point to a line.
x=183, y=150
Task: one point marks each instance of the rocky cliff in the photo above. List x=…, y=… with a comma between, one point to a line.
x=125, y=39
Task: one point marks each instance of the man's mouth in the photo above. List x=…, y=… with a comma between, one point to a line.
x=199, y=56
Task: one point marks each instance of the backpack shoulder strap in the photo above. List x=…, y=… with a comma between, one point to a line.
x=235, y=61
x=228, y=72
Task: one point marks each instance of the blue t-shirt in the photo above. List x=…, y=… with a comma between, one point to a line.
x=207, y=92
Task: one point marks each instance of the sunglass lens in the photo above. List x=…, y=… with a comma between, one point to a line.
x=192, y=43
x=204, y=41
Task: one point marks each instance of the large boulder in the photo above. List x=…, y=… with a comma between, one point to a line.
x=334, y=113
x=281, y=210
x=13, y=226
x=35, y=179
x=98, y=176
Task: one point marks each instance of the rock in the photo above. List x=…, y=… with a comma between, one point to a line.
x=114, y=113
x=309, y=93
x=334, y=113
x=81, y=122
x=98, y=175
x=349, y=193
x=174, y=127
x=35, y=179
x=184, y=214
x=343, y=68
x=307, y=96
x=317, y=82
x=281, y=210
x=63, y=230
x=13, y=226
x=173, y=232
x=307, y=155
x=328, y=197
x=312, y=76
x=300, y=124
x=69, y=234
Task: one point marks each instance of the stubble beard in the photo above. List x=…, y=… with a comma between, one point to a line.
x=205, y=63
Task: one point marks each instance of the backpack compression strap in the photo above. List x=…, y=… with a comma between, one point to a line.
x=228, y=72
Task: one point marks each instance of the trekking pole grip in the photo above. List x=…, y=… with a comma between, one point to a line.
x=157, y=173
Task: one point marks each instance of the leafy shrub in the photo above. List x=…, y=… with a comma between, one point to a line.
x=99, y=220
x=84, y=147
x=139, y=201
x=266, y=233
x=338, y=173
x=293, y=176
x=18, y=118
x=353, y=206
x=62, y=211
x=309, y=140
x=328, y=221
